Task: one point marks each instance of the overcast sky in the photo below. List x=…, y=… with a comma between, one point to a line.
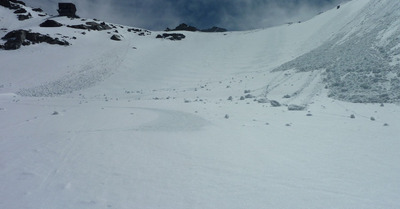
x=230, y=14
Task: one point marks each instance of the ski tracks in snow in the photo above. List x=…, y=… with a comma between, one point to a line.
x=293, y=87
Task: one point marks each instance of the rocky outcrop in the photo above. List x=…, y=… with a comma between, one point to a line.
x=172, y=36
x=5, y=3
x=24, y=17
x=92, y=26
x=185, y=27
x=20, y=11
x=50, y=24
x=17, y=38
x=116, y=37
x=67, y=9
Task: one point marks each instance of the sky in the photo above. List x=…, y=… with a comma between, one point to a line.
x=229, y=14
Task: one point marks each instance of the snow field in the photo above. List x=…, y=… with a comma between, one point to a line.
x=141, y=123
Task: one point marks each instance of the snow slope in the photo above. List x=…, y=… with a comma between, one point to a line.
x=150, y=123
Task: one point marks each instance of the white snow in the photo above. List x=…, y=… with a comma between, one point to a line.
x=141, y=123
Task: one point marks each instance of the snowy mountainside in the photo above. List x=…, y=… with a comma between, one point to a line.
x=246, y=119
x=361, y=62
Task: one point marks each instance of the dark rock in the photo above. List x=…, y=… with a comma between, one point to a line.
x=172, y=36
x=293, y=107
x=67, y=9
x=24, y=17
x=116, y=37
x=249, y=96
x=183, y=27
x=50, y=23
x=16, y=39
x=98, y=26
x=91, y=26
x=338, y=7
x=20, y=11
x=5, y=3
x=275, y=103
x=214, y=30
x=262, y=100
x=37, y=10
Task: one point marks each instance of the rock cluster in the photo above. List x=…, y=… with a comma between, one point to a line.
x=172, y=36
x=16, y=5
x=17, y=38
x=185, y=27
x=91, y=26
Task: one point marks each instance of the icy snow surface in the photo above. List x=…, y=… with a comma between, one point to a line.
x=150, y=123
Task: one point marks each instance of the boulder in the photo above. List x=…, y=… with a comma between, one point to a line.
x=275, y=103
x=293, y=107
x=50, y=23
x=67, y=9
x=24, y=17
x=116, y=37
x=14, y=39
x=37, y=10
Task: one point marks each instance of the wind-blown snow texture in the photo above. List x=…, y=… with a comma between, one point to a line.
x=254, y=119
x=361, y=61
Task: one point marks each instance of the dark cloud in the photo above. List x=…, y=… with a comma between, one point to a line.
x=231, y=14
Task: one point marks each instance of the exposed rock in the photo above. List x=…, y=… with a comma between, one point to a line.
x=92, y=26
x=275, y=103
x=15, y=39
x=172, y=36
x=50, y=23
x=24, y=17
x=20, y=11
x=249, y=96
x=98, y=26
x=67, y=9
x=116, y=37
x=183, y=27
x=262, y=100
x=37, y=10
x=5, y=3
x=293, y=107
